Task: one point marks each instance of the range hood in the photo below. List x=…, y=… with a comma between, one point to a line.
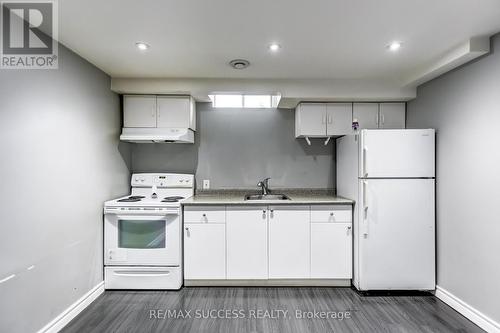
x=152, y=135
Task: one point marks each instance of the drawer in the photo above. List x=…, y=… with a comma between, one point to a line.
x=144, y=277
x=205, y=214
x=331, y=213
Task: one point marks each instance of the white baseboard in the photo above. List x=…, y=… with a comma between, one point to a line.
x=477, y=317
x=73, y=310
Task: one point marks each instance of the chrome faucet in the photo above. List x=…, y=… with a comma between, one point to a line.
x=264, y=184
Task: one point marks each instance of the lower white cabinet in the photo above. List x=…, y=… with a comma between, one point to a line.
x=289, y=248
x=281, y=242
x=246, y=242
x=204, y=251
x=331, y=250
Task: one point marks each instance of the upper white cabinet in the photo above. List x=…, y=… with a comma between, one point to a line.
x=335, y=119
x=392, y=115
x=366, y=114
x=310, y=119
x=338, y=119
x=145, y=111
x=289, y=250
x=246, y=229
x=139, y=111
x=323, y=119
x=176, y=112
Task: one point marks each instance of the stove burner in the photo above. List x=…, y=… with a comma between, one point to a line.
x=132, y=198
x=172, y=199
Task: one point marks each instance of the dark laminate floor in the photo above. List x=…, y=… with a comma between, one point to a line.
x=129, y=311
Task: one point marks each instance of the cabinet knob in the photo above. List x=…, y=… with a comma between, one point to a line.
x=331, y=214
x=204, y=215
x=349, y=228
x=187, y=229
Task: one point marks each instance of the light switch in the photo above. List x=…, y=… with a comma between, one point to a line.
x=206, y=184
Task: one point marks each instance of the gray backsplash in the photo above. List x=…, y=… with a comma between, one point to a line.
x=234, y=148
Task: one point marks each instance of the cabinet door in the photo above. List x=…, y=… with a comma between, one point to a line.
x=331, y=251
x=310, y=119
x=139, y=111
x=204, y=251
x=246, y=229
x=339, y=118
x=366, y=114
x=289, y=248
x=174, y=111
x=392, y=115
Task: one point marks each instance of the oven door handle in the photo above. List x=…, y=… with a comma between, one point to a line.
x=141, y=217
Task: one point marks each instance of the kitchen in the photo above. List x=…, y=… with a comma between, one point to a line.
x=354, y=141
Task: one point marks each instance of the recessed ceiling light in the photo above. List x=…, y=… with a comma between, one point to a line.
x=142, y=46
x=274, y=47
x=394, y=46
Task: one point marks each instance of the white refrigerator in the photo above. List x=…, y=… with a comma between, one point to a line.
x=390, y=176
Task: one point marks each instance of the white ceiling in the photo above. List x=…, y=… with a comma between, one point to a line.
x=329, y=39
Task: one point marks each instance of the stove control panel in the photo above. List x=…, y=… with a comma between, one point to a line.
x=142, y=210
x=162, y=180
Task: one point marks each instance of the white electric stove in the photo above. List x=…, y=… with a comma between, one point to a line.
x=142, y=233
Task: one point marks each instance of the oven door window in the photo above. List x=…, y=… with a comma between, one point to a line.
x=138, y=234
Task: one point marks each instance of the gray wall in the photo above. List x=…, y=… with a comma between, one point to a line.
x=237, y=147
x=59, y=161
x=464, y=107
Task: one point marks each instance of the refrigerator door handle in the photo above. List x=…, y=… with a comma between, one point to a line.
x=365, y=155
x=365, y=208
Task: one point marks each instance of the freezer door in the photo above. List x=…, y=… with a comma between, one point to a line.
x=396, y=234
x=397, y=153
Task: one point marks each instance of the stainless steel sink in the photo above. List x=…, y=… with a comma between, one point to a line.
x=266, y=197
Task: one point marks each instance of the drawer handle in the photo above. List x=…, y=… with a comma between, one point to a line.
x=142, y=273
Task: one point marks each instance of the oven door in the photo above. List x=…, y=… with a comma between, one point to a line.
x=142, y=240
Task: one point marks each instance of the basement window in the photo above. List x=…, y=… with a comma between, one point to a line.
x=245, y=101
